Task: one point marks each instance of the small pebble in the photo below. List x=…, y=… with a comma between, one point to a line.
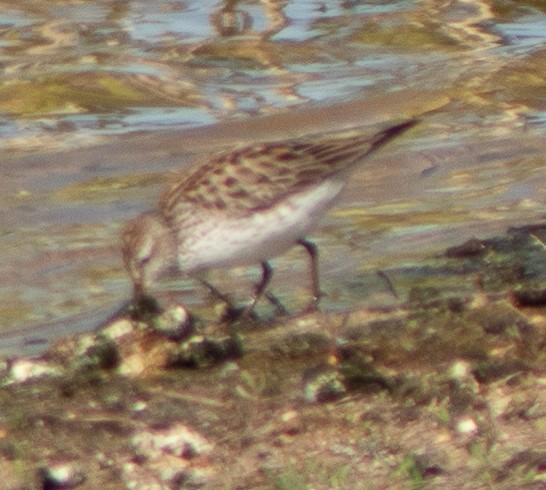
x=178, y=440
x=61, y=475
x=118, y=329
x=323, y=384
x=467, y=425
x=22, y=370
x=200, y=351
x=175, y=323
x=291, y=423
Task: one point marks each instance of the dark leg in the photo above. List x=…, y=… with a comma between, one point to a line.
x=279, y=307
x=232, y=311
x=267, y=273
x=215, y=293
x=144, y=308
x=383, y=275
x=313, y=254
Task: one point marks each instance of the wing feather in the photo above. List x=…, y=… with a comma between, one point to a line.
x=257, y=176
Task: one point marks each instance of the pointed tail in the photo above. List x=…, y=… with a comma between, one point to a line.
x=382, y=138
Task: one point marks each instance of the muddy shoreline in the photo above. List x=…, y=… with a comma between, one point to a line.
x=443, y=390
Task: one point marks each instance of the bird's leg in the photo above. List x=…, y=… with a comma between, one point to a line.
x=216, y=293
x=260, y=290
x=276, y=302
x=231, y=312
x=267, y=273
x=313, y=255
x=144, y=307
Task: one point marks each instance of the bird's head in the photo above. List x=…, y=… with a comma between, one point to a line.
x=148, y=250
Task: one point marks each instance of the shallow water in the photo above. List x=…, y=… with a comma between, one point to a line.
x=99, y=99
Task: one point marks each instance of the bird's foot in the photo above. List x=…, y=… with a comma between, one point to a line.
x=144, y=307
x=280, y=310
x=216, y=293
x=232, y=313
x=313, y=305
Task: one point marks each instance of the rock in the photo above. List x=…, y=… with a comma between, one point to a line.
x=201, y=351
x=178, y=440
x=290, y=423
x=164, y=459
x=21, y=370
x=466, y=426
x=118, y=329
x=175, y=323
x=60, y=476
x=322, y=384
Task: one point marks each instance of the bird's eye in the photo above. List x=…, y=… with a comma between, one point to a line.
x=142, y=261
x=145, y=251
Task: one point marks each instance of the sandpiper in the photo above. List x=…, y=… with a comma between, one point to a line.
x=246, y=205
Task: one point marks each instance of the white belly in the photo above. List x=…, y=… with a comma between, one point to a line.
x=219, y=241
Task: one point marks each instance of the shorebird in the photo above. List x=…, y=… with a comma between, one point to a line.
x=246, y=205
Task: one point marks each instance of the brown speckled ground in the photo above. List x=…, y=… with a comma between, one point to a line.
x=446, y=391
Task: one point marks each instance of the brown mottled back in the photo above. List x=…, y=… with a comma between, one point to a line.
x=259, y=175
